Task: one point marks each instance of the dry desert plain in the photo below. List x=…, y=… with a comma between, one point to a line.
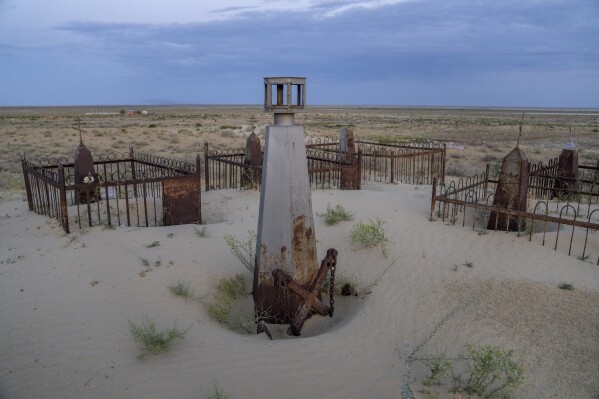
x=67, y=301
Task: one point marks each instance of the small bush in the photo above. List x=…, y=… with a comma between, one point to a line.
x=219, y=393
x=336, y=215
x=202, y=231
x=152, y=245
x=566, y=286
x=152, y=340
x=369, y=235
x=233, y=288
x=491, y=370
x=230, y=289
x=244, y=251
x=221, y=309
x=439, y=367
x=182, y=289
x=345, y=285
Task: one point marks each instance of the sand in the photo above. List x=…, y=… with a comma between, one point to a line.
x=66, y=302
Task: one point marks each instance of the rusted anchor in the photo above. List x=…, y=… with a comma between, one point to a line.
x=311, y=297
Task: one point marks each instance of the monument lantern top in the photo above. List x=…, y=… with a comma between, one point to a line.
x=289, y=96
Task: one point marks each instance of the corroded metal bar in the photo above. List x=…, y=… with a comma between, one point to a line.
x=310, y=297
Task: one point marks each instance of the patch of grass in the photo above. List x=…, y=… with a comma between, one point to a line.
x=583, y=258
x=438, y=366
x=336, y=215
x=152, y=245
x=468, y=264
x=369, y=235
x=152, y=340
x=224, y=311
x=182, y=289
x=345, y=285
x=202, y=231
x=152, y=125
x=11, y=181
x=233, y=287
x=491, y=370
x=230, y=289
x=244, y=251
x=144, y=261
x=218, y=393
x=566, y=286
x=220, y=310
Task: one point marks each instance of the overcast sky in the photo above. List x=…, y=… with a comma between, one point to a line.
x=528, y=53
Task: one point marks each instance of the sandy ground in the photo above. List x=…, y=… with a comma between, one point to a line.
x=66, y=302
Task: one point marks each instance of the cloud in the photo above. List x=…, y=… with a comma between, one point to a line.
x=386, y=44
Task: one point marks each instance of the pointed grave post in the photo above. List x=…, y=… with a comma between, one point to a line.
x=511, y=192
x=567, y=169
x=350, y=176
x=286, y=283
x=85, y=173
x=250, y=177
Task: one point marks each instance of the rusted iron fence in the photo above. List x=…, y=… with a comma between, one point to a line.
x=226, y=169
x=410, y=163
x=131, y=190
x=565, y=217
x=395, y=162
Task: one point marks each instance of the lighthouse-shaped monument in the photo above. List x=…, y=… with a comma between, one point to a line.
x=285, y=243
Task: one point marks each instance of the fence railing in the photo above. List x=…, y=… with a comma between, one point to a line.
x=411, y=163
x=131, y=189
x=395, y=162
x=576, y=208
x=226, y=169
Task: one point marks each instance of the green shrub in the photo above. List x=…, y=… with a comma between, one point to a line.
x=491, y=370
x=233, y=288
x=182, y=289
x=439, y=367
x=244, y=251
x=336, y=215
x=369, y=235
x=202, y=231
x=219, y=393
x=152, y=340
x=566, y=286
x=221, y=309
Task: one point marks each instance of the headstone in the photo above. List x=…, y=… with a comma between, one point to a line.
x=567, y=170
x=350, y=172
x=511, y=192
x=85, y=175
x=250, y=177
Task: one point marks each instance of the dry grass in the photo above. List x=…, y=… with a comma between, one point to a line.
x=474, y=136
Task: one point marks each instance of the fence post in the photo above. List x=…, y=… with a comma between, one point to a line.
x=392, y=177
x=27, y=184
x=206, y=173
x=64, y=215
x=359, y=168
x=443, y=167
x=133, y=177
x=486, y=182
x=433, y=198
x=198, y=166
